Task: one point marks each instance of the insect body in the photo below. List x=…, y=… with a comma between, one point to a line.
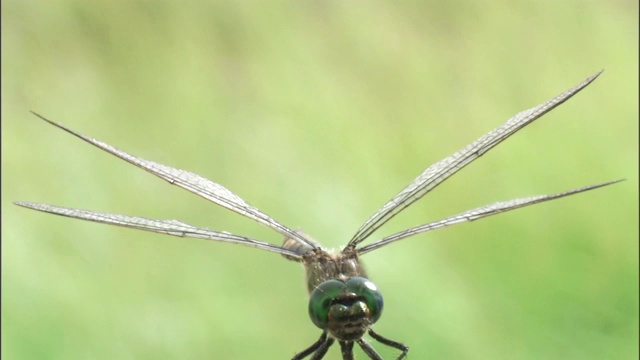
x=343, y=303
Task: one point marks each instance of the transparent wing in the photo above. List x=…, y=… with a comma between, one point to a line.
x=169, y=227
x=196, y=184
x=443, y=169
x=477, y=213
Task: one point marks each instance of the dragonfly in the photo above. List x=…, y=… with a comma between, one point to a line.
x=343, y=303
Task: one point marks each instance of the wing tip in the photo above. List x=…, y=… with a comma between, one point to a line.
x=22, y=203
x=599, y=185
x=58, y=125
x=591, y=79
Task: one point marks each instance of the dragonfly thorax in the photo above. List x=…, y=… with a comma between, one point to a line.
x=322, y=265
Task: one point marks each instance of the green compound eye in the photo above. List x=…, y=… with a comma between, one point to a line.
x=321, y=300
x=324, y=296
x=369, y=292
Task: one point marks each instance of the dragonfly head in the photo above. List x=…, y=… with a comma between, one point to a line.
x=346, y=309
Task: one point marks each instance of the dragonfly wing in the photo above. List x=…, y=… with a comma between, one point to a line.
x=170, y=227
x=196, y=184
x=477, y=213
x=443, y=169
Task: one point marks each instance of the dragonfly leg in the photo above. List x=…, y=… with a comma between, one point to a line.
x=369, y=350
x=347, y=350
x=322, y=350
x=394, y=344
x=315, y=348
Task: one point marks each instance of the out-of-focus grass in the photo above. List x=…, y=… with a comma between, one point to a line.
x=318, y=113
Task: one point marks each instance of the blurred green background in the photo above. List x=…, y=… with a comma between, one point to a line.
x=318, y=113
